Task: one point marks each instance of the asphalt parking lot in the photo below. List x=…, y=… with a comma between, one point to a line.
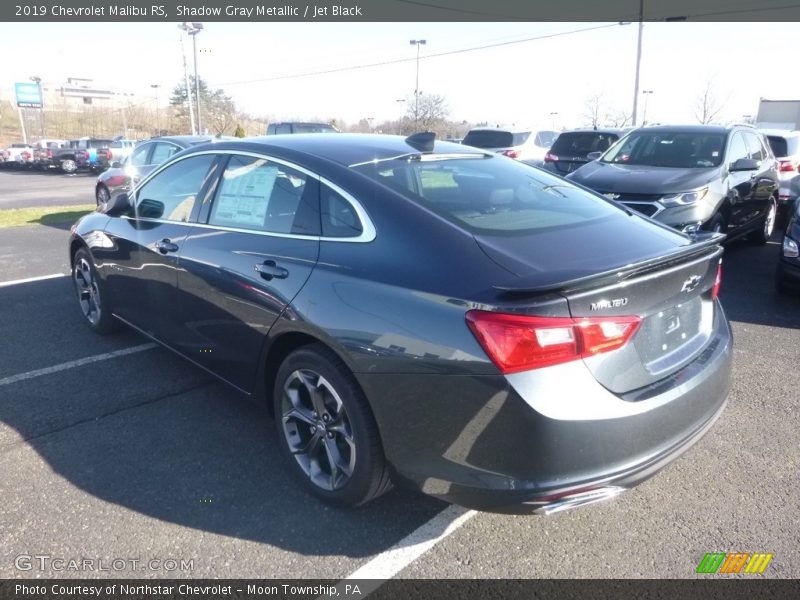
x=112, y=448
x=24, y=188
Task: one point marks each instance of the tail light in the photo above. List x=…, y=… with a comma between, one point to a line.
x=109, y=154
x=511, y=153
x=717, y=281
x=550, y=158
x=786, y=166
x=520, y=342
x=25, y=155
x=49, y=154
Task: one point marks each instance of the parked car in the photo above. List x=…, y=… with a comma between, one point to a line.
x=788, y=273
x=144, y=158
x=325, y=275
x=521, y=143
x=16, y=155
x=297, y=127
x=78, y=154
x=693, y=177
x=116, y=151
x=785, y=146
x=571, y=149
x=43, y=152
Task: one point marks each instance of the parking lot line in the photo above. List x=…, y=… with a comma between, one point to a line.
x=390, y=562
x=76, y=363
x=32, y=279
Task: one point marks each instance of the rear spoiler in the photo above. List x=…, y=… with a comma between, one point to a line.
x=705, y=243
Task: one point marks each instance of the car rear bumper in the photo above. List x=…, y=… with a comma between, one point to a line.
x=789, y=272
x=477, y=442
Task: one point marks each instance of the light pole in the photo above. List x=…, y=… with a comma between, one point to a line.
x=155, y=86
x=646, y=94
x=553, y=116
x=186, y=81
x=193, y=29
x=638, y=63
x=38, y=81
x=417, y=43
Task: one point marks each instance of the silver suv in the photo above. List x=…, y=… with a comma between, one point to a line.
x=522, y=143
x=785, y=145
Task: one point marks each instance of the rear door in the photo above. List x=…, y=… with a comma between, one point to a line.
x=251, y=253
x=763, y=179
x=739, y=183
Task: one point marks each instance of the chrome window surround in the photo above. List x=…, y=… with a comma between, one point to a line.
x=368, y=232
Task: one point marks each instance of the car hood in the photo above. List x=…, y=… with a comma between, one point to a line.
x=638, y=179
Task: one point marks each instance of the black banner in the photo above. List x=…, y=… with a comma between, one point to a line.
x=398, y=10
x=406, y=589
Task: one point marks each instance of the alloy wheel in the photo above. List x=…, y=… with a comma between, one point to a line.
x=88, y=292
x=769, y=220
x=318, y=430
x=102, y=195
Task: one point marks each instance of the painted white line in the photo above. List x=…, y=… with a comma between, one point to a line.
x=32, y=279
x=76, y=363
x=390, y=562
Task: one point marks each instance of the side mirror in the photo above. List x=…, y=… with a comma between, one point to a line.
x=118, y=205
x=594, y=155
x=745, y=164
x=116, y=164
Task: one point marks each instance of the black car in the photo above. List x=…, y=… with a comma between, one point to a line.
x=571, y=149
x=287, y=127
x=144, y=158
x=788, y=274
x=716, y=178
x=421, y=313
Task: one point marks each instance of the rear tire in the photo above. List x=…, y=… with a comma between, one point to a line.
x=326, y=430
x=767, y=224
x=69, y=166
x=102, y=194
x=92, y=294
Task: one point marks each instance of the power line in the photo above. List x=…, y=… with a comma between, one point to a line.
x=425, y=57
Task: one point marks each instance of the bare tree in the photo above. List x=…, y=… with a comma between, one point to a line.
x=594, y=110
x=618, y=119
x=708, y=104
x=432, y=113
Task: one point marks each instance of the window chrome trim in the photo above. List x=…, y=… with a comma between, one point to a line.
x=368, y=232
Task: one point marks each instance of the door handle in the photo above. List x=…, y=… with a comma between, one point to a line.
x=165, y=246
x=270, y=270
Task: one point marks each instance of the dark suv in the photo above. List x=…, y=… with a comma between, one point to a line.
x=691, y=177
x=571, y=149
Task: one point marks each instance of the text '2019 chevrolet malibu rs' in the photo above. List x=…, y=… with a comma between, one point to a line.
x=421, y=313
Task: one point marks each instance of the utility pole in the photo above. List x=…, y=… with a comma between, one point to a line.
x=638, y=64
x=188, y=88
x=417, y=43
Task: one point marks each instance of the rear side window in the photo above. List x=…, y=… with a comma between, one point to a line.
x=260, y=195
x=339, y=217
x=490, y=195
x=489, y=138
x=583, y=143
x=162, y=152
x=170, y=195
x=139, y=156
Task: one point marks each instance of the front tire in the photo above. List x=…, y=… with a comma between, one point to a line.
x=91, y=294
x=69, y=166
x=326, y=429
x=102, y=194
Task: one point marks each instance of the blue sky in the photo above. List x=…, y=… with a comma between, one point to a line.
x=515, y=83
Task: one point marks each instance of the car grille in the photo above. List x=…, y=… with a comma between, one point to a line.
x=646, y=208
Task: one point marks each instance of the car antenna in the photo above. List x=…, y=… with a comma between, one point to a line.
x=422, y=141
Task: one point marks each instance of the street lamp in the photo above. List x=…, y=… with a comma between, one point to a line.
x=553, y=116
x=646, y=94
x=155, y=86
x=186, y=82
x=38, y=81
x=417, y=43
x=193, y=29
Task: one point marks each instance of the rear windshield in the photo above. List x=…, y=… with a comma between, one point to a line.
x=782, y=146
x=313, y=128
x=489, y=138
x=121, y=144
x=679, y=149
x=98, y=143
x=581, y=144
x=491, y=195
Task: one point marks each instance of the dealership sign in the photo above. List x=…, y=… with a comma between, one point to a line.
x=29, y=95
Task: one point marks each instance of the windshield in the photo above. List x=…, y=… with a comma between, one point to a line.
x=679, y=149
x=487, y=194
x=313, y=128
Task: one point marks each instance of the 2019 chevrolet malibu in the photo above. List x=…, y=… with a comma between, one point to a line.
x=420, y=313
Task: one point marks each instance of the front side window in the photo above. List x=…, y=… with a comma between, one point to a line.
x=737, y=149
x=754, y=147
x=162, y=152
x=676, y=149
x=263, y=196
x=491, y=195
x=170, y=195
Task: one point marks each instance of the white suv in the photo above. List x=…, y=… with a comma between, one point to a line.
x=522, y=143
x=785, y=146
